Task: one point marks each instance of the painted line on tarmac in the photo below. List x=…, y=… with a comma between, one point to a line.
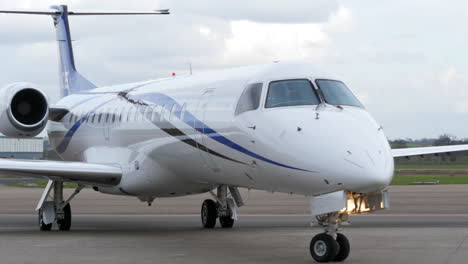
x=247, y=215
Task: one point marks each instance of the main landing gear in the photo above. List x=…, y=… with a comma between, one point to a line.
x=223, y=208
x=56, y=209
x=330, y=245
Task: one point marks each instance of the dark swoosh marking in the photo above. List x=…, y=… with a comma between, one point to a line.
x=195, y=123
x=62, y=147
x=177, y=133
x=172, y=130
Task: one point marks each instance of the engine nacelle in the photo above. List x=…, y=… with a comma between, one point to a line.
x=24, y=110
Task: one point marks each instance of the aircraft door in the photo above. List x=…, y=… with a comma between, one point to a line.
x=247, y=116
x=205, y=142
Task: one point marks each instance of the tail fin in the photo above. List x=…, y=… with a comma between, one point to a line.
x=71, y=81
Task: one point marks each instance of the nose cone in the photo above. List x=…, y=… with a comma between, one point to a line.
x=346, y=148
x=366, y=163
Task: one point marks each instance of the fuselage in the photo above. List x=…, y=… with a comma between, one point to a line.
x=184, y=135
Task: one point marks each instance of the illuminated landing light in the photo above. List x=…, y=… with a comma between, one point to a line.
x=358, y=203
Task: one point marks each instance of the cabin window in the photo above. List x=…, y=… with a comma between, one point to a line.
x=92, y=119
x=149, y=112
x=173, y=110
x=250, y=99
x=162, y=113
x=100, y=118
x=136, y=114
x=291, y=93
x=154, y=113
x=336, y=93
x=130, y=111
x=182, y=112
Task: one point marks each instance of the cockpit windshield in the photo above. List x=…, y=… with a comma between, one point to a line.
x=336, y=93
x=291, y=93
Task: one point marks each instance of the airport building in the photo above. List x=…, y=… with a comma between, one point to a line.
x=25, y=148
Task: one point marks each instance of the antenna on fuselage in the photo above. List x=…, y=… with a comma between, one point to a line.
x=190, y=68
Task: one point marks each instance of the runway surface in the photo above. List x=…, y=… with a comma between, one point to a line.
x=273, y=228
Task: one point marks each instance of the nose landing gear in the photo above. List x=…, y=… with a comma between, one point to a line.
x=330, y=245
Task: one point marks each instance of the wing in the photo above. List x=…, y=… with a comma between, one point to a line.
x=76, y=172
x=405, y=152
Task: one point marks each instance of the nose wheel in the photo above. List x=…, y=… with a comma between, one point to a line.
x=324, y=248
x=330, y=245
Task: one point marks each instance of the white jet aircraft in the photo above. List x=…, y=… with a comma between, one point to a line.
x=281, y=127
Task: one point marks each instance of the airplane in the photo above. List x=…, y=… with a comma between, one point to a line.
x=281, y=127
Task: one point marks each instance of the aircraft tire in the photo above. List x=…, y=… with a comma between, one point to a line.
x=323, y=248
x=344, y=248
x=209, y=214
x=226, y=221
x=65, y=223
x=42, y=225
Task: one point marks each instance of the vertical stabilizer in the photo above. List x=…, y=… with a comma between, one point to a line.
x=70, y=80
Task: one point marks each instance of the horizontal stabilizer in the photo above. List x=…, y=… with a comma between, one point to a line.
x=83, y=13
x=405, y=152
x=76, y=172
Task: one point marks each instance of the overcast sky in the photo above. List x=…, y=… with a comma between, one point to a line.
x=406, y=60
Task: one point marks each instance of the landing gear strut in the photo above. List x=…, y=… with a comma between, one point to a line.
x=330, y=245
x=223, y=208
x=56, y=209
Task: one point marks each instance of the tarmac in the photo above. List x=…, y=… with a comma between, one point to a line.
x=426, y=224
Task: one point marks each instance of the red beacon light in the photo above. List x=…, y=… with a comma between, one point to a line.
x=173, y=74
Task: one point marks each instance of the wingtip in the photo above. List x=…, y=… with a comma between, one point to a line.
x=163, y=11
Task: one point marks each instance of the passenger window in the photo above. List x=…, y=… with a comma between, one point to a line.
x=154, y=113
x=174, y=108
x=291, y=93
x=182, y=112
x=136, y=114
x=250, y=99
x=130, y=112
x=100, y=118
x=161, y=113
x=149, y=112
x=92, y=119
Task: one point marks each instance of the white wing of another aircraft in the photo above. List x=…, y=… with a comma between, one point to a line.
x=405, y=152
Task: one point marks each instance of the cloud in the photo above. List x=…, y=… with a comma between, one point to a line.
x=263, y=11
x=447, y=77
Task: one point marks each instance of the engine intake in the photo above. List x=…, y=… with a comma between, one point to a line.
x=24, y=110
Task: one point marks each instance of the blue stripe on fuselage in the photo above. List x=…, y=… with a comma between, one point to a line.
x=195, y=123
x=62, y=147
x=189, y=119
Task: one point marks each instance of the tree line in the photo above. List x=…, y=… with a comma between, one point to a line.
x=442, y=140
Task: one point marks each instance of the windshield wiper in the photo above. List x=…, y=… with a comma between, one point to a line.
x=338, y=106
